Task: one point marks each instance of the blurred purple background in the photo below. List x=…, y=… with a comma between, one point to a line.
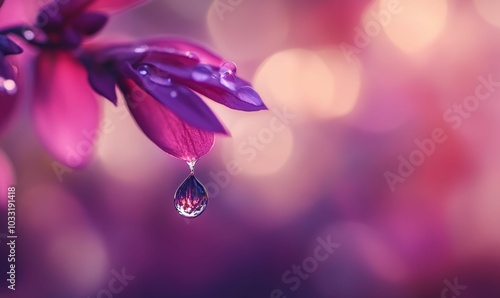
x=376, y=140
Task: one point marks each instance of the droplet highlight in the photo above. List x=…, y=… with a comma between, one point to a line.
x=249, y=95
x=191, y=198
x=143, y=69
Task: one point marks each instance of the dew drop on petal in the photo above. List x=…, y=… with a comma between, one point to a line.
x=191, y=198
x=248, y=94
x=227, y=67
x=192, y=55
x=173, y=94
x=201, y=73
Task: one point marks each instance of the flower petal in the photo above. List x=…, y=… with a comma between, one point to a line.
x=65, y=110
x=224, y=88
x=163, y=127
x=103, y=82
x=187, y=105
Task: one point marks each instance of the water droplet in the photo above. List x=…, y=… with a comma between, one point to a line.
x=9, y=86
x=201, y=73
x=143, y=69
x=227, y=67
x=191, y=198
x=228, y=80
x=141, y=49
x=173, y=94
x=29, y=34
x=248, y=94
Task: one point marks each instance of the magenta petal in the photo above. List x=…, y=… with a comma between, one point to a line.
x=163, y=127
x=65, y=110
x=114, y=5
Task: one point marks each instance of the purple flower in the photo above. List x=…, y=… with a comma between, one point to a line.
x=160, y=80
x=8, y=81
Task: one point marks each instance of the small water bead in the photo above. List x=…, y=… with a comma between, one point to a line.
x=227, y=67
x=173, y=94
x=191, y=198
x=201, y=73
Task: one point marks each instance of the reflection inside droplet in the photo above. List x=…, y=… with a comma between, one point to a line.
x=191, y=198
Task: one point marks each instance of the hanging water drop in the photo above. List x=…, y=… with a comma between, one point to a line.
x=191, y=198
